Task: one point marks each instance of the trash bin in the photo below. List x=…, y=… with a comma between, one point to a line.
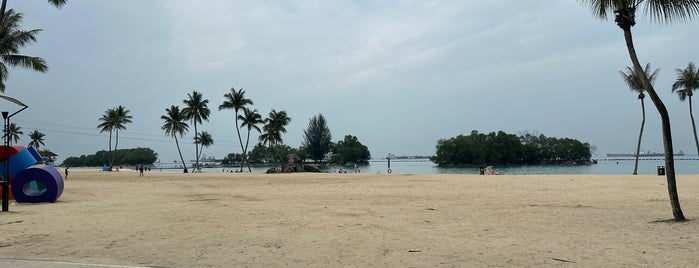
x=661, y=170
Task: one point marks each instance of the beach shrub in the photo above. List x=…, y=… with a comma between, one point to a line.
x=269, y=154
x=350, y=150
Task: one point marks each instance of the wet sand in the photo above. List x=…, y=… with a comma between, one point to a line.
x=357, y=220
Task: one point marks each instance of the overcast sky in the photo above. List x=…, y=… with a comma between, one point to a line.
x=399, y=75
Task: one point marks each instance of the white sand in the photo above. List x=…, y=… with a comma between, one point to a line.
x=357, y=220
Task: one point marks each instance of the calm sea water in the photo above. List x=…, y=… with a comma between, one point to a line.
x=610, y=167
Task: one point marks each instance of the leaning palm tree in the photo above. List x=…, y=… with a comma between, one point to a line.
x=12, y=39
x=636, y=85
x=56, y=3
x=37, y=139
x=205, y=140
x=13, y=132
x=175, y=124
x=236, y=100
x=624, y=12
x=197, y=111
x=250, y=119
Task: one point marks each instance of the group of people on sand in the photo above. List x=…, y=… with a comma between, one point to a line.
x=489, y=170
x=142, y=168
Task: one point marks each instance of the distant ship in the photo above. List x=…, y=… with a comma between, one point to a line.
x=644, y=154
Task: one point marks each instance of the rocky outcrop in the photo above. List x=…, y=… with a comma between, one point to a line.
x=292, y=163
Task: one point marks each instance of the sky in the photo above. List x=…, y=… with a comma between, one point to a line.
x=399, y=75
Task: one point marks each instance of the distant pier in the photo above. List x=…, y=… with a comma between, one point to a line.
x=645, y=158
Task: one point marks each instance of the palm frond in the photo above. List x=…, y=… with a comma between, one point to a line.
x=28, y=62
x=58, y=3
x=671, y=10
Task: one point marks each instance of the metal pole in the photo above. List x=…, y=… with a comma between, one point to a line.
x=6, y=176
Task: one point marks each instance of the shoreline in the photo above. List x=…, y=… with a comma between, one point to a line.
x=374, y=220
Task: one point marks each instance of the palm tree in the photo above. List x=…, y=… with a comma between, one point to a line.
x=685, y=85
x=107, y=124
x=275, y=125
x=175, y=124
x=12, y=39
x=205, y=140
x=250, y=119
x=236, y=100
x=56, y=3
x=624, y=12
x=197, y=111
x=636, y=85
x=121, y=117
x=14, y=132
x=37, y=139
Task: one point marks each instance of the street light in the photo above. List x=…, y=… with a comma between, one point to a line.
x=6, y=177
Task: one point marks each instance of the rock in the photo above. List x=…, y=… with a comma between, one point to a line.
x=272, y=170
x=292, y=163
x=310, y=168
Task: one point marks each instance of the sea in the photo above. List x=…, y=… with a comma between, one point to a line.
x=604, y=166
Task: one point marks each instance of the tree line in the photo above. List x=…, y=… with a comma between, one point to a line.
x=502, y=148
x=128, y=157
x=317, y=146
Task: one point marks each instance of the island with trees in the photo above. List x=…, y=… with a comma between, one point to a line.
x=509, y=149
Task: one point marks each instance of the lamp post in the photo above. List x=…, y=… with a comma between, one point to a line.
x=6, y=177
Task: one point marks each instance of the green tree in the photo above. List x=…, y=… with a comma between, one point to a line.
x=121, y=118
x=205, y=140
x=635, y=83
x=275, y=126
x=350, y=150
x=258, y=154
x=197, y=111
x=12, y=40
x=503, y=148
x=113, y=120
x=685, y=85
x=137, y=156
x=236, y=100
x=317, y=138
x=36, y=139
x=107, y=124
x=624, y=12
x=14, y=133
x=175, y=124
x=250, y=119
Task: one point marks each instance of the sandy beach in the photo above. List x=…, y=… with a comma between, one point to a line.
x=357, y=220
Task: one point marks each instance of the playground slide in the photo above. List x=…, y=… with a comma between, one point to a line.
x=30, y=183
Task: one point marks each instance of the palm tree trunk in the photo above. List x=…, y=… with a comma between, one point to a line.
x=667, y=132
x=109, y=154
x=116, y=143
x=694, y=126
x=180, y=152
x=640, y=136
x=2, y=9
x=245, y=152
x=196, y=148
x=237, y=129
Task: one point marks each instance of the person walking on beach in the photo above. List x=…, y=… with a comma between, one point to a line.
x=140, y=171
x=66, y=172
